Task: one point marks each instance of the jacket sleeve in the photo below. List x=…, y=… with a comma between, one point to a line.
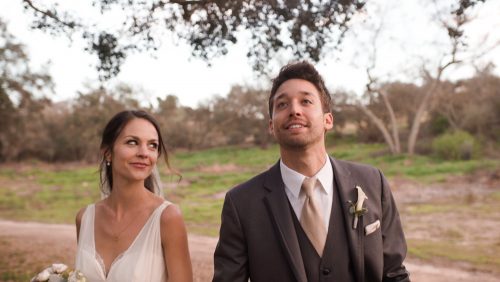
x=394, y=243
x=230, y=257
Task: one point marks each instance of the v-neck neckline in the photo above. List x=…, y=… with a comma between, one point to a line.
x=122, y=254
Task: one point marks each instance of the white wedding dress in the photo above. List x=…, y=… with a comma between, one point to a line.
x=142, y=261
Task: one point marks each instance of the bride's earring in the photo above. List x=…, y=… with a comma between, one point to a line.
x=108, y=163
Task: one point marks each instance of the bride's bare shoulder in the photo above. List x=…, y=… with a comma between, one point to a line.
x=171, y=219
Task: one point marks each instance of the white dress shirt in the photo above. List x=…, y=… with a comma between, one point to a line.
x=322, y=193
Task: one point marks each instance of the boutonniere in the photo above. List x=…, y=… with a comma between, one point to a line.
x=357, y=209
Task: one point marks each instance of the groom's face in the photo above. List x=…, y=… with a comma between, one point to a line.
x=298, y=120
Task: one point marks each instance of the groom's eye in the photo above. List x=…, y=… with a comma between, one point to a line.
x=280, y=105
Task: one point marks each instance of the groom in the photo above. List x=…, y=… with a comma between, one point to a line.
x=310, y=217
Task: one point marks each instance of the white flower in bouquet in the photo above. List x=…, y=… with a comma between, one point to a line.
x=59, y=267
x=59, y=272
x=76, y=276
x=42, y=276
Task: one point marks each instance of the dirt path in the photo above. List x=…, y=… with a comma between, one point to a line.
x=30, y=242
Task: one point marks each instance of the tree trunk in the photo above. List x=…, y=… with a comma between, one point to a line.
x=417, y=120
x=380, y=125
x=394, y=125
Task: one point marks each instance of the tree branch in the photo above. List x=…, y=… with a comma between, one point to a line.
x=49, y=14
x=185, y=3
x=380, y=125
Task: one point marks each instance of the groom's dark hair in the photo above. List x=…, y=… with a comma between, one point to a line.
x=306, y=71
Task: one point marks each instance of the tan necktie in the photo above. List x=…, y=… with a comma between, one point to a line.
x=311, y=218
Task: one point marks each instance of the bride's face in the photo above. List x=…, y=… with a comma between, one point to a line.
x=135, y=151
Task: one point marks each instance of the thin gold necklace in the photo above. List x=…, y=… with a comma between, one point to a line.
x=116, y=236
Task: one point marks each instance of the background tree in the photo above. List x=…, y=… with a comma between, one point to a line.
x=472, y=105
x=202, y=129
x=89, y=114
x=22, y=100
x=179, y=124
x=381, y=111
x=460, y=52
x=303, y=27
x=242, y=116
x=389, y=109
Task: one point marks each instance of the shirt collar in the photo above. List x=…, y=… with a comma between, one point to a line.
x=293, y=179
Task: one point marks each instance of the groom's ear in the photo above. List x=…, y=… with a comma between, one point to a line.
x=328, y=121
x=271, y=127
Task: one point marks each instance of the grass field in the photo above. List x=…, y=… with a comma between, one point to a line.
x=54, y=193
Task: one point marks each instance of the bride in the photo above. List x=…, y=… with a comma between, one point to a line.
x=133, y=234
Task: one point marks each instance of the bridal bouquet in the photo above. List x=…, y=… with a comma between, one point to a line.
x=59, y=272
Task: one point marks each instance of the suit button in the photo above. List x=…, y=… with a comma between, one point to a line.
x=326, y=271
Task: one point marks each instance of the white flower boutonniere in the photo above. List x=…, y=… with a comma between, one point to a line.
x=357, y=209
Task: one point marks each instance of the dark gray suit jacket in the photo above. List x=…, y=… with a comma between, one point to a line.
x=258, y=240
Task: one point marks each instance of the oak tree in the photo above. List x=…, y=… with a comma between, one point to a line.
x=303, y=27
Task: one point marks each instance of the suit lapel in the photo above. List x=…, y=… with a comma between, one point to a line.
x=346, y=186
x=279, y=209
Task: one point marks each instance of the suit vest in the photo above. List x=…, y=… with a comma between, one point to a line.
x=335, y=265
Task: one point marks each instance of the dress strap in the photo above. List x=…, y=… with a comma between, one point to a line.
x=86, y=235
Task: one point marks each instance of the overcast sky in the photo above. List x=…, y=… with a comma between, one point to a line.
x=408, y=37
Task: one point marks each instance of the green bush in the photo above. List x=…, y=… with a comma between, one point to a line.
x=456, y=145
x=438, y=125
